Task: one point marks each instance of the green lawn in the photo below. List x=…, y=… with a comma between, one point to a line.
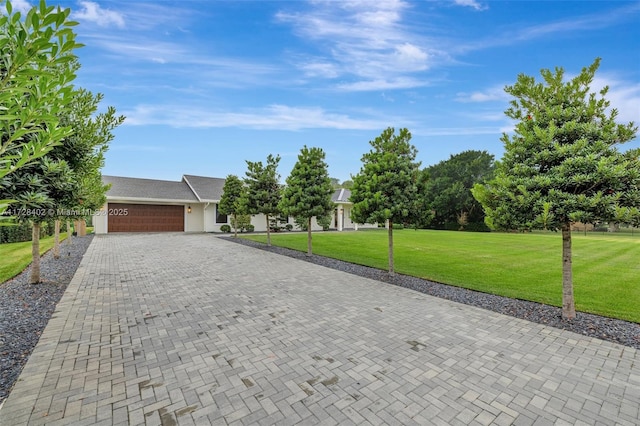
x=17, y=256
x=606, y=268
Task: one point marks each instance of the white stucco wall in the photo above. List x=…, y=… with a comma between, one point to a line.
x=100, y=221
x=194, y=221
x=210, y=218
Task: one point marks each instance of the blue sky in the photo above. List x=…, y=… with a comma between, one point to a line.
x=206, y=85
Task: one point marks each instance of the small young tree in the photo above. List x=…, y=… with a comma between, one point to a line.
x=231, y=202
x=263, y=189
x=35, y=189
x=386, y=188
x=308, y=191
x=562, y=164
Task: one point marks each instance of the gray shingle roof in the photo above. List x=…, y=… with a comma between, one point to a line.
x=341, y=195
x=190, y=189
x=128, y=188
x=207, y=189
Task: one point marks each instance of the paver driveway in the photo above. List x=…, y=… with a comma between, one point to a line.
x=191, y=329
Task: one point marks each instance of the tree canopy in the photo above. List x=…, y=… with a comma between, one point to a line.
x=233, y=200
x=308, y=190
x=36, y=54
x=263, y=189
x=447, y=188
x=562, y=164
x=386, y=188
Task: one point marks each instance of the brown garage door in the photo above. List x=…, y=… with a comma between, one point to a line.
x=145, y=218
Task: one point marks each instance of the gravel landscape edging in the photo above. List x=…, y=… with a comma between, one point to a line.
x=25, y=309
x=610, y=329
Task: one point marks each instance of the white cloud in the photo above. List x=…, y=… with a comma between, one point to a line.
x=320, y=69
x=22, y=6
x=92, y=12
x=366, y=41
x=471, y=3
x=495, y=93
x=624, y=96
x=272, y=117
x=380, y=84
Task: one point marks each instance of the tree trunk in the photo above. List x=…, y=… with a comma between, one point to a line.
x=568, y=304
x=391, y=271
x=34, y=275
x=69, y=233
x=56, y=239
x=235, y=225
x=268, y=232
x=309, y=249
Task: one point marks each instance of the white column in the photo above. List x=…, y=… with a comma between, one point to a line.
x=340, y=218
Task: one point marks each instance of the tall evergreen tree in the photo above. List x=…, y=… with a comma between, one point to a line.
x=263, y=189
x=386, y=188
x=233, y=200
x=308, y=190
x=562, y=164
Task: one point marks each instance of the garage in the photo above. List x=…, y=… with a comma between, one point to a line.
x=145, y=218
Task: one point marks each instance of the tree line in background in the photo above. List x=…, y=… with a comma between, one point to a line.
x=52, y=140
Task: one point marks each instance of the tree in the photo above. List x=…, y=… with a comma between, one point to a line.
x=386, y=187
x=34, y=189
x=263, y=189
x=40, y=120
x=347, y=184
x=35, y=83
x=562, y=164
x=447, y=188
x=308, y=191
x=83, y=150
x=232, y=201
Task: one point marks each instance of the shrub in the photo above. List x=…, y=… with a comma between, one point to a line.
x=477, y=227
x=12, y=232
x=241, y=222
x=288, y=227
x=398, y=226
x=325, y=222
x=225, y=228
x=249, y=228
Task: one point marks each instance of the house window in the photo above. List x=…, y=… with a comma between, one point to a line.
x=220, y=218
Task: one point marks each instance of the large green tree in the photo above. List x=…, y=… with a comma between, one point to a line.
x=263, y=189
x=233, y=200
x=308, y=190
x=83, y=150
x=562, y=163
x=447, y=188
x=386, y=188
x=35, y=82
x=36, y=71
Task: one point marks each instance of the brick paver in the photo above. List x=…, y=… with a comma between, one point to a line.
x=166, y=329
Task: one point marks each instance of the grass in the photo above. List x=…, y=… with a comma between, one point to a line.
x=17, y=256
x=522, y=266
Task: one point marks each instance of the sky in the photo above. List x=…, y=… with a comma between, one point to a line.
x=206, y=85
